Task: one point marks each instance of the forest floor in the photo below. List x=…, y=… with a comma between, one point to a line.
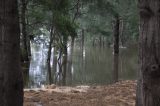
x=118, y=94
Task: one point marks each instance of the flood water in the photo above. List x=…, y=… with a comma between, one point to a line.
x=92, y=66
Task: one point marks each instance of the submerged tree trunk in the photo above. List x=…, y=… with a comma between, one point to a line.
x=149, y=52
x=103, y=42
x=70, y=58
x=116, y=48
x=64, y=63
x=49, y=74
x=59, y=72
x=26, y=78
x=93, y=42
x=11, y=81
x=64, y=69
x=55, y=62
x=49, y=56
x=82, y=43
x=100, y=41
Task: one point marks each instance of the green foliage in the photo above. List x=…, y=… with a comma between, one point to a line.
x=105, y=33
x=64, y=25
x=100, y=15
x=51, y=12
x=95, y=16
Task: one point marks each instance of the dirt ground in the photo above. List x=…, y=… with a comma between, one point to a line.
x=119, y=94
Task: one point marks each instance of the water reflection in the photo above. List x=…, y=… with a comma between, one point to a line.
x=92, y=65
x=38, y=66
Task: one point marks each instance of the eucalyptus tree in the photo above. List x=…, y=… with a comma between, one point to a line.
x=11, y=81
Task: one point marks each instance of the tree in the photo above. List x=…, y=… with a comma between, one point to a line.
x=116, y=48
x=25, y=38
x=149, y=53
x=11, y=81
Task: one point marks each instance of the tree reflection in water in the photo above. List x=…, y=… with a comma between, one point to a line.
x=93, y=67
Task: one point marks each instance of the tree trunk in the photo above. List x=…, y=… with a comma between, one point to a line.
x=93, y=42
x=64, y=63
x=11, y=81
x=70, y=58
x=103, y=42
x=26, y=78
x=59, y=62
x=149, y=51
x=49, y=55
x=139, y=91
x=82, y=43
x=100, y=41
x=64, y=69
x=122, y=31
x=116, y=49
x=55, y=62
x=25, y=39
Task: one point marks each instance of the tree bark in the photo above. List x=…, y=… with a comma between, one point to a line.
x=11, y=81
x=116, y=48
x=149, y=51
